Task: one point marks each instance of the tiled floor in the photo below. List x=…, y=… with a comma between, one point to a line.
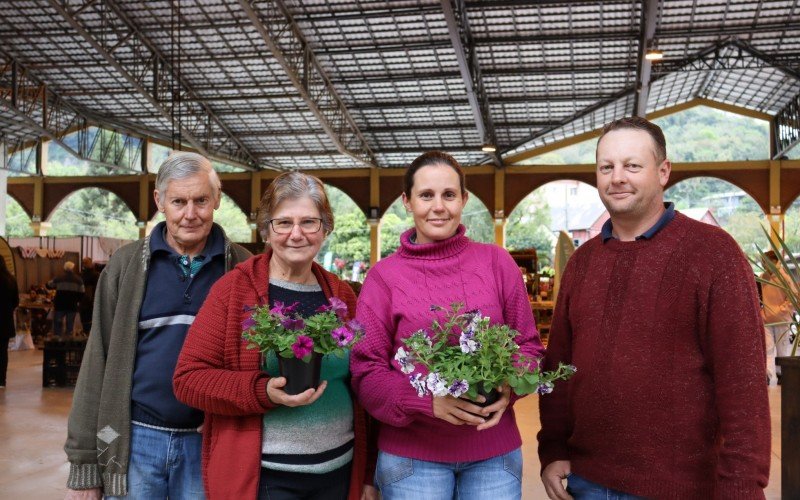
x=33, y=428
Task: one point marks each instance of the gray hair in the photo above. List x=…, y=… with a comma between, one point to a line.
x=291, y=186
x=69, y=266
x=181, y=165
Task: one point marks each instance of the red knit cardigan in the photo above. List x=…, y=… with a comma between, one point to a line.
x=219, y=375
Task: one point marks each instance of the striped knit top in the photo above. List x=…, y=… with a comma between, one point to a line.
x=316, y=438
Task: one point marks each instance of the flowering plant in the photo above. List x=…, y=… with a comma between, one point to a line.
x=283, y=330
x=468, y=356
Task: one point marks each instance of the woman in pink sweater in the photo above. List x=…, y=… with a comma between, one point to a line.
x=439, y=447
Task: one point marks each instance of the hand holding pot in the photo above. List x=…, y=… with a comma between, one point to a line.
x=457, y=411
x=495, y=410
x=278, y=396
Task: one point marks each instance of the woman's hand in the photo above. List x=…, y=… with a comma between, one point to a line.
x=457, y=411
x=278, y=396
x=498, y=408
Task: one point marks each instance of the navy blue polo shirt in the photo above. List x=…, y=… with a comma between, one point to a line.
x=666, y=217
x=172, y=299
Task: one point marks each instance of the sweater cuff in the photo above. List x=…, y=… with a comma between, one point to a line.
x=738, y=490
x=261, y=393
x=549, y=453
x=84, y=477
x=414, y=404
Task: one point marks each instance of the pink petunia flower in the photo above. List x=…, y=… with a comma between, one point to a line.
x=303, y=346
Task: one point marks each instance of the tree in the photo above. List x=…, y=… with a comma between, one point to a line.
x=18, y=224
x=93, y=212
x=393, y=223
x=349, y=241
x=528, y=226
x=791, y=228
x=232, y=220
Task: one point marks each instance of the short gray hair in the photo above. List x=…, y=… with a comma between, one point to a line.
x=291, y=186
x=69, y=266
x=181, y=165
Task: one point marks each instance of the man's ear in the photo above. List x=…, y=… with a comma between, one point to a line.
x=158, y=201
x=663, y=172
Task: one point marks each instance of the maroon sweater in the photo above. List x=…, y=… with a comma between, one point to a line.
x=670, y=397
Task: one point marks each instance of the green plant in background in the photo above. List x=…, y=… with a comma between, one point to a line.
x=786, y=277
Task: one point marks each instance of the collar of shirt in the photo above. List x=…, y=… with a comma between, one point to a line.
x=215, y=245
x=669, y=214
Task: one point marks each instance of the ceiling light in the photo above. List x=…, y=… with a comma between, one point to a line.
x=488, y=148
x=654, y=55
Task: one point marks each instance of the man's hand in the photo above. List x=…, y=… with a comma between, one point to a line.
x=552, y=477
x=369, y=493
x=498, y=408
x=91, y=494
x=278, y=396
x=457, y=411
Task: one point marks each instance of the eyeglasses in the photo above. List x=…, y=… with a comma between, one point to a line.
x=307, y=225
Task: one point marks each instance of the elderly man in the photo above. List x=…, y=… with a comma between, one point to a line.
x=660, y=315
x=127, y=433
x=69, y=291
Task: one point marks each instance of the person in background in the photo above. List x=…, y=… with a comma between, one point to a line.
x=9, y=300
x=777, y=312
x=69, y=291
x=439, y=447
x=660, y=315
x=259, y=441
x=89, y=276
x=127, y=433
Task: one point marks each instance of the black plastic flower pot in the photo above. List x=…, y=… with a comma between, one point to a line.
x=300, y=375
x=790, y=426
x=491, y=397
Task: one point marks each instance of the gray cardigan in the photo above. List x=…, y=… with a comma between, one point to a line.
x=99, y=429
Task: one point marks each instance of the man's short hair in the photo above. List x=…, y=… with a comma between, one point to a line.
x=181, y=165
x=69, y=266
x=639, y=123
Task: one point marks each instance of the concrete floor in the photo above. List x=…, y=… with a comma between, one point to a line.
x=33, y=428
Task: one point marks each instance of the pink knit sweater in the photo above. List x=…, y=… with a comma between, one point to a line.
x=395, y=302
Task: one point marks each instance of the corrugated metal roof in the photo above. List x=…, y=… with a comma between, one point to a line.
x=382, y=81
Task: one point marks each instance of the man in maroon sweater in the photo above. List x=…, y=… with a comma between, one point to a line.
x=660, y=315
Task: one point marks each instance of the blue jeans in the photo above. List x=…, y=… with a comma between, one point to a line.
x=498, y=478
x=582, y=489
x=164, y=464
x=58, y=317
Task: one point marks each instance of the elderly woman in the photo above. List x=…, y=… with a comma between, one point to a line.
x=259, y=441
x=439, y=447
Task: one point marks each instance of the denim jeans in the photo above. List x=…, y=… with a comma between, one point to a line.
x=58, y=317
x=498, y=478
x=164, y=464
x=582, y=489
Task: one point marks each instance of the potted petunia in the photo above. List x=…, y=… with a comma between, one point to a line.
x=785, y=277
x=300, y=343
x=467, y=356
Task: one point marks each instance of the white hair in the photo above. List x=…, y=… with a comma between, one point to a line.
x=180, y=165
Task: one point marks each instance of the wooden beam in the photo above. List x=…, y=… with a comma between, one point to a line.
x=374, y=223
x=498, y=214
